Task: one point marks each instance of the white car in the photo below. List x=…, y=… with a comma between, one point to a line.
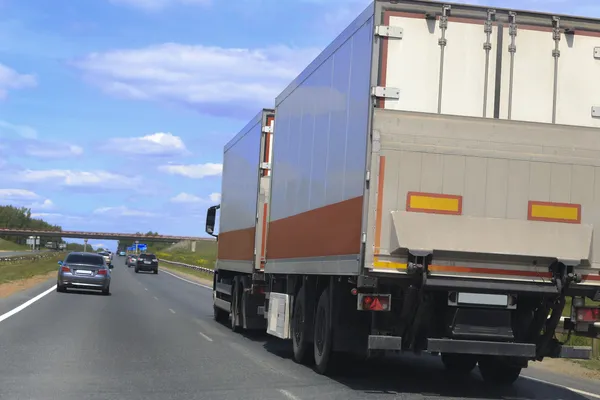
x=107, y=257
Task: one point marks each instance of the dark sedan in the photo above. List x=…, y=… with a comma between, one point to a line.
x=147, y=262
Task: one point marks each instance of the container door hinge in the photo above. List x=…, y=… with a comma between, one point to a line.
x=368, y=176
x=385, y=92
x=364, y=237
x=596, y=112
x=394, y=32
x=267, y=129
x=597, y=53
x=265, y=166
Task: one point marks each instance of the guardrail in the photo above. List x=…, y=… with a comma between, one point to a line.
x=197, y=268
x=28, y=257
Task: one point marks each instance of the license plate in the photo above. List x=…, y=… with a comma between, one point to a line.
x=147, y=262
x=483, y=299
x=84, y=272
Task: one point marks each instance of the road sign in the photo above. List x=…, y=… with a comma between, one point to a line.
x=131, y=248
x=142, y=247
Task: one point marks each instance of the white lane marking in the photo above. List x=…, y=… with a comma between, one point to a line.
x=26, y=304
x=289, y=395
x=581, y=392
x=205, y=336
x=145, y=288
x=155, y=298
x=172, y=311
x=187, y=280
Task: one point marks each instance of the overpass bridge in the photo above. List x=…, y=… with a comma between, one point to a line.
x=99, y=235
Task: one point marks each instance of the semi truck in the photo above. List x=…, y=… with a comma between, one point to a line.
x=430, y=183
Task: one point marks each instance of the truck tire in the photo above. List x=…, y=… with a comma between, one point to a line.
x=459, y=363
x=303, y=353
x=219, y=315
x=323, y=338
x=496, y=372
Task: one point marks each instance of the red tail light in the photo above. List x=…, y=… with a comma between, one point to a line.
x=65, y=269
x=102, y=272
x=375, y=302
x=588, y=314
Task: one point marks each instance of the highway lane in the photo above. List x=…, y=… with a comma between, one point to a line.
x=154, y=338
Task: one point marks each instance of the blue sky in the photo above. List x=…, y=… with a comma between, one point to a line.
x=113, y=113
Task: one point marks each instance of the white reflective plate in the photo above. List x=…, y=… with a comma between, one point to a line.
x=483, y=299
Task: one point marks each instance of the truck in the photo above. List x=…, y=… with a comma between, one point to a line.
x=430, y=183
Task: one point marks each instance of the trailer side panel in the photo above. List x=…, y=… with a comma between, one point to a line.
x=319, y=159
x=240, y=186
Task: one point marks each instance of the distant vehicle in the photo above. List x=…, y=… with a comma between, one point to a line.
x=84, y=271
x=122, y=254
x=146, y=262
x=106, y=256
x=131, y=260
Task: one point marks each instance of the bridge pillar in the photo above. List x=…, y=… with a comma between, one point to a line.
x=193, y=247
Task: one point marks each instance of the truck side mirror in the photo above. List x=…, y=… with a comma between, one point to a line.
x=211, y=218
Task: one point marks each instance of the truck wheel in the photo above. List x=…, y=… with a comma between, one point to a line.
x=459, y=363
x=323, y=339
x=495, y=371
x=219, y=315
x=300, y=344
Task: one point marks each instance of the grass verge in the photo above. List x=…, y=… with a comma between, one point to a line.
x=6, y=245
x=188, y=271
x=25, y=269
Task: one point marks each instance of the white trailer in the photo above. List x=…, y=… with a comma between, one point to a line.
x=435, y=187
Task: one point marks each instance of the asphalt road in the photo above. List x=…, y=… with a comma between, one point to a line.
x=154, y=338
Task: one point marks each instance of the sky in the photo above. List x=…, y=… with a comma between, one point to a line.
x=114, y=113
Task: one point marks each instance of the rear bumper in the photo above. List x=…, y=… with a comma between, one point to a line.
x=83, y=282
x=147, y=267
x=475, y=347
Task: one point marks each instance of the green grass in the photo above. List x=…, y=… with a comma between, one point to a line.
x=204, y=256
x=199, y=274
x=10, y=272
x=10, y=246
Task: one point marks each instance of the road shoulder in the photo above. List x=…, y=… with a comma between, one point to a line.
x=190, y=277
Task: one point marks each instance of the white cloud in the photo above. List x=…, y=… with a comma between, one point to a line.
x=56, y=217
x=214, y=80
x=11, y=79
x=42, y=149
x=123, y=211
x=23, y=131
x=45, y=205
x=70, y=178
x=194, y=171
x=186, y=198
x=215, y=197
x=18, y=194
x=156, y=5
x=193, y=199
x=155, y=144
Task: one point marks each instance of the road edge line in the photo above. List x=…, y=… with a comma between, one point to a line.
x=26, y=304
x=187, y=280
x=578, y=391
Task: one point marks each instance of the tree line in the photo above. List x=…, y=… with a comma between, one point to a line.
x=12, y=217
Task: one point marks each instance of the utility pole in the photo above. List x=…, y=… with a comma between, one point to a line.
x=85, y=245
x=136, y=246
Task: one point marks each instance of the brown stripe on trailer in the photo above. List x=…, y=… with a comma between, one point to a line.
x=237, y=245
x=333, y=230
